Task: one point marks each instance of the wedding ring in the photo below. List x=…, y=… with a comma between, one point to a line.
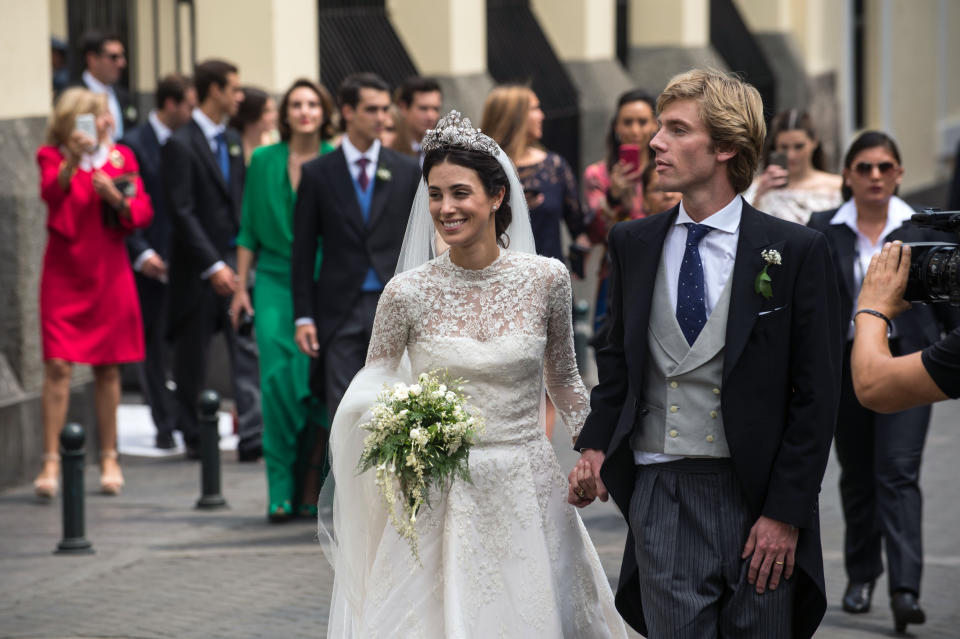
x=580, y=493
x=779, y=563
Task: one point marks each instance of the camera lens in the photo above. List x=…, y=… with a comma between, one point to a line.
x=934, y=273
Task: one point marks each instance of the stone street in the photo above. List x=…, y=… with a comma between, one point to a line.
x=164, y=569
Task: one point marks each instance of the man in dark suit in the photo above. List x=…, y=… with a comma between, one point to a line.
x=203, y=172
x=357, y=199
x=150, y=248
x=712, y=421
x=104, y=60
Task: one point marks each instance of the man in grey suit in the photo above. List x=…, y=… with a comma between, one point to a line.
x=712, y=421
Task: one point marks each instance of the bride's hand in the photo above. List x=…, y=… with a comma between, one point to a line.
x=585, y=482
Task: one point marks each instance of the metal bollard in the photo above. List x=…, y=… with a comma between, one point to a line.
x=581, y=330
x=210, y=497
x=71, y=454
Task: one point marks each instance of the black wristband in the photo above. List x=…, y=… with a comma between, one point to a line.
x=870, y=311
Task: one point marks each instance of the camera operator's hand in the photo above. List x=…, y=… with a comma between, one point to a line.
x=224, y=281
x=773, y=177
x=240, y=302
x=886, y=280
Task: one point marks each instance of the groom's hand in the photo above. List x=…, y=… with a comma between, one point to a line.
x=584, y=479
x=772, y=544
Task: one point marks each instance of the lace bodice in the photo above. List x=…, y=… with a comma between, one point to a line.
x=506, y=329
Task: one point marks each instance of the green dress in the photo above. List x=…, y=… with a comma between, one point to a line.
x=291, y=415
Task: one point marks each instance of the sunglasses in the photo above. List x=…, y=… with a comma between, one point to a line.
x=114, y=57
x=866, y=168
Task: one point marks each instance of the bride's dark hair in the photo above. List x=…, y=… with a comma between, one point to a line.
x=491, y=176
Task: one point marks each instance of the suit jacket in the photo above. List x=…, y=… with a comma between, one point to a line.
x=128, y=110
x=916, y=328
x=142, y=140
x=327, y=207
x=205, y=211
x=780, y=389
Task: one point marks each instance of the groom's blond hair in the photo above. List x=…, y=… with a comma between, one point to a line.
x=732, y=111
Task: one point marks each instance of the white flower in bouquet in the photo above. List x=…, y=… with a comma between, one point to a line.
x=420, y=438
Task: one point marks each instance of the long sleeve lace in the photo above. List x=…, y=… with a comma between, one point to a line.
x=562, y=378
x=391, y=327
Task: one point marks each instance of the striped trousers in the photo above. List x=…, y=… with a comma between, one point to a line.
x=690, y=523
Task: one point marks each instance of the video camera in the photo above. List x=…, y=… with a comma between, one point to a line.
x=935, y=266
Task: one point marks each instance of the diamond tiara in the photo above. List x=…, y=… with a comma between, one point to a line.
x=454, y=129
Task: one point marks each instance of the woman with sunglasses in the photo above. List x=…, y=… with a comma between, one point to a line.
x=879, y=454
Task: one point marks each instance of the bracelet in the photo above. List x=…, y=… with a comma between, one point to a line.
x=870, y=311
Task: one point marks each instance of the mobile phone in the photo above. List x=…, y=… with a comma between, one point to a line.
x=86, y=123
x=779, y=158
x=630, y=156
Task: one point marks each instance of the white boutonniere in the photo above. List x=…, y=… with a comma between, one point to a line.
x=130, y=113
x=762, y=284
x=234, y=150
x=384, y=174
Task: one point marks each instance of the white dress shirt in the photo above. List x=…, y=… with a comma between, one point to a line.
x=112, y=103
x=163, y=133
x=718, y=252
x=898, y=212
x=351, y=154
x=210, y=131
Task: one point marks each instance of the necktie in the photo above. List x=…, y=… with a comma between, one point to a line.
x=362, y=178
x=223, y=156
x=691, y=308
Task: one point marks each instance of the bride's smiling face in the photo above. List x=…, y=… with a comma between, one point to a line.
x=462, y=211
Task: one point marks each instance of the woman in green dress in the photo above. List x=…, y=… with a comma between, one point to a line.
x=292, y=418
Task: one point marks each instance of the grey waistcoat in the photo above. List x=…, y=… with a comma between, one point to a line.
x=681, y=391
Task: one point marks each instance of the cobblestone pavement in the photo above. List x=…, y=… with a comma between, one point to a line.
x=164, y=569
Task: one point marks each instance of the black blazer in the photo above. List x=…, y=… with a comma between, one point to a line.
x=327, y=207
x=142, y=140
x=780, y=390
x=916, y=328
x=128, y=110
x=205, y=211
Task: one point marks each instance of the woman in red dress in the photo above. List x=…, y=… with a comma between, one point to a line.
x=89, y=311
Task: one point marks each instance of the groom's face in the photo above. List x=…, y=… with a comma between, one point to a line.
x=686, y=155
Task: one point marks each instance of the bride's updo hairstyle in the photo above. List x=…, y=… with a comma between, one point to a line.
x=454, y=140
x=491, y=176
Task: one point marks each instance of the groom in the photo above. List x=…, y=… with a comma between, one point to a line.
x=712, y=421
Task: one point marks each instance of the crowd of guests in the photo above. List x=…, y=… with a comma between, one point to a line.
x=278, y=223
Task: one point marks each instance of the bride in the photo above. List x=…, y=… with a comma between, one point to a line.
x=505, y=555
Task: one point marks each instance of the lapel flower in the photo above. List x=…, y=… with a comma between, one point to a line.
x=762, y=284
x=384, y=174
x=234, y=150
x=131, y=113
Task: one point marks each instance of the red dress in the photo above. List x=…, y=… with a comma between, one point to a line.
x=89, y=311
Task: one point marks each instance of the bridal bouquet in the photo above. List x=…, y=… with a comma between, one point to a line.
x=420, y=436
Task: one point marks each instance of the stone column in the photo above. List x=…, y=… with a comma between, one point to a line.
x=273, y=42
x=25, y=32
x=447, y=40
x=667, y=38
x=582, y=33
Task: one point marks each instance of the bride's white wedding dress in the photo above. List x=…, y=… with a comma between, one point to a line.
x=505, y=556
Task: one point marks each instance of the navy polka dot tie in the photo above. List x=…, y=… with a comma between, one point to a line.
x=691, y=306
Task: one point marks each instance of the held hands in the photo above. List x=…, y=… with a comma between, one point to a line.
x=886, y=280
x=773, y=545
x=224, y=281
x=107, y=190
x=584, y=479
x=306, y=339
x=240, y=302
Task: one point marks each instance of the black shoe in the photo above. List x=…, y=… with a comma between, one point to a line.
x=192, y=450
x=165, y=441
x=250, y=453
x=906, y=609
x=857, y=598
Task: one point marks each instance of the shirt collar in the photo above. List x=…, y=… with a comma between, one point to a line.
x=162, y=131
x=95, y=85
x=898, y=212
x=352, y=153
x=210, y=128
x=95, y=160
x=726, y=219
